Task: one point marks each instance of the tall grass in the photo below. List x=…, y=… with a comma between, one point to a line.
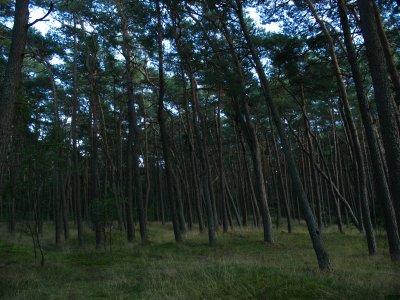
x=240, y=267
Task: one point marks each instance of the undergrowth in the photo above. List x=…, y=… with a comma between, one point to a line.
x=240, y=267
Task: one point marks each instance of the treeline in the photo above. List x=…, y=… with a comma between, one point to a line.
x=190, y=112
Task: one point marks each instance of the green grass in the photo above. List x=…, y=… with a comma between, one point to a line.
x=240, y=267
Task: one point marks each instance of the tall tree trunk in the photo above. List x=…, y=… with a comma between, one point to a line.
x=94, y=193
x=165, y=137
x=94, y=190
x=74, y=135
x=240, y=180
x=12, y=222
x=193, y=167
x=146, y=159
x=57, y=209
x=310, y=144
x=362, y=178
x=382, y=187
x=391, y=67
x=249, y=194
x=281, y=184
x=329, y=181
x=383, y=98
x=322, y=255
x=134, y=136
x=59, y=133
x=12, y=78
x=241, y=107
x=221, y=167
x=201, y=139
x=336, y=169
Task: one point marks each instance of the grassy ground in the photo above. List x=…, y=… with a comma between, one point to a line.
x=240, y=267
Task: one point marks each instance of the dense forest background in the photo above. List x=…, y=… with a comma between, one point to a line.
x=127, y=112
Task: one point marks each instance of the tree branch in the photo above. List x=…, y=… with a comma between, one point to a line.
x=42, y=18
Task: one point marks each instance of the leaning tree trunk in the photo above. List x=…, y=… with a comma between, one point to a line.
x=313, y=173
x=387, y=51
x=281, y=184
x=241, y=107
x=259, y=175
x=319, y=248
x=382, y=188
x=353, y=135
x=383, y=98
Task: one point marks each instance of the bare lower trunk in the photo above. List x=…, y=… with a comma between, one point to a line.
x=359, y=158
x=383, y=98
x=135, y=134
x=322, y=255
x=165, y=137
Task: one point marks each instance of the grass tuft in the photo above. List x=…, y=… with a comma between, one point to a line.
x=240, y=267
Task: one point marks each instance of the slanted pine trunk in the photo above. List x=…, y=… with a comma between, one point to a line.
x=319, y=248
x=313, y=173
x=362, y=178
x=282, y=185
x=387, y=51
x=249, y=194
x=241, y=107
x=382, y=187
x=383, y=98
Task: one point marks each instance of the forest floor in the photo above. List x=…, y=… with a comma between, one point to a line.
x=240, y=267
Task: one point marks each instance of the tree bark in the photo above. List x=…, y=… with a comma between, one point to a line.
x=282, y=185
x=322, y=255
x=12, y=78
x=221, y=167
x=383, y=98
x=74, y=135
x=362, y=179
x=134, y=135
x=165, y=137
x=387, y=51
x=241, y=107
x=94, y=183
x=382, y=187
x=201, y=140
